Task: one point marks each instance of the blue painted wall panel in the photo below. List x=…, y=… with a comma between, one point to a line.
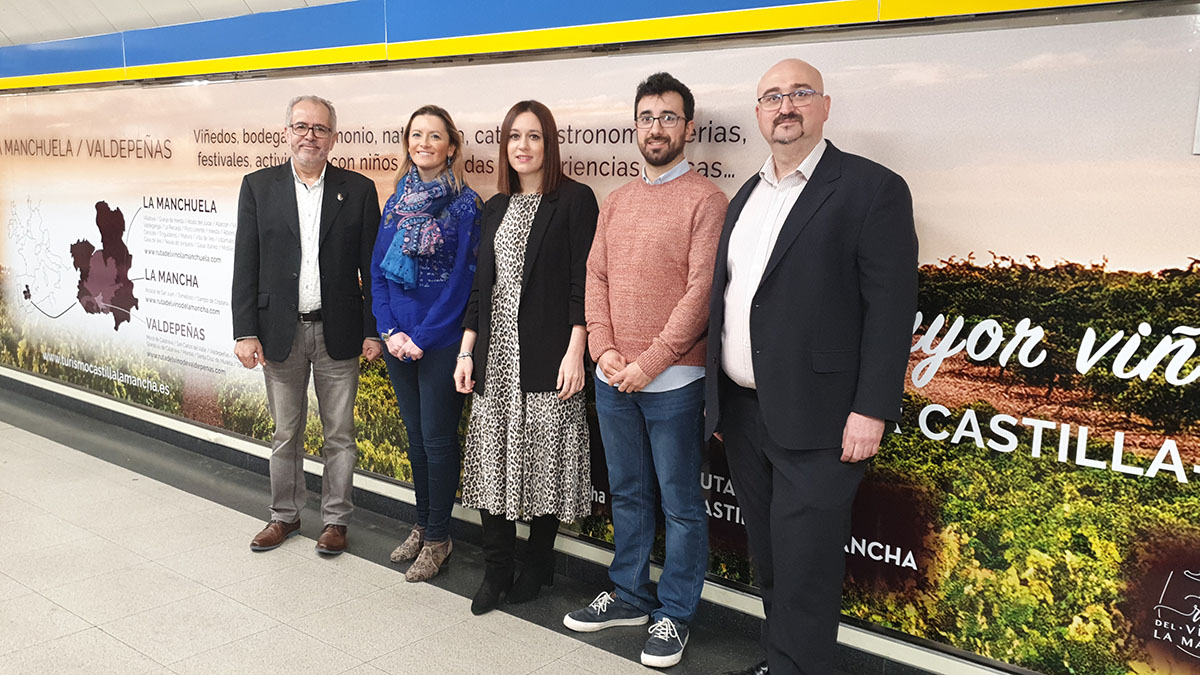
x=409, y=20
x=62, y=56
x=360, y=22
x=340, y=25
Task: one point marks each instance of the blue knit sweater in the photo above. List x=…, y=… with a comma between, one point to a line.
x=430, y=313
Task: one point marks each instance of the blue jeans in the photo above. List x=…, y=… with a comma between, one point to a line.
x=653, y=444
x=431, y=408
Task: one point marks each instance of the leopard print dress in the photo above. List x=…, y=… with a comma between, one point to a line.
x=527, y=453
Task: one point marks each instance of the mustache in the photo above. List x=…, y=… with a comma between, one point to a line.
x=789, y=117
x=664, y=139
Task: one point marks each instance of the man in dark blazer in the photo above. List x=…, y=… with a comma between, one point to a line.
x=810, y=326
x=302, y=252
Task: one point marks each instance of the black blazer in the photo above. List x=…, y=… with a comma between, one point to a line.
x=266, y=260
x=552, y=282
x=831, y=321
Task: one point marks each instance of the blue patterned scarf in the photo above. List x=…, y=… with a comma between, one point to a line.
x=418, y=214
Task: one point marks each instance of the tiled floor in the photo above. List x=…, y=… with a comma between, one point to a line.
x=103, y=570
x=124, y=549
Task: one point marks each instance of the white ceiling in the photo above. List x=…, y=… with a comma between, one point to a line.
x=25, y=21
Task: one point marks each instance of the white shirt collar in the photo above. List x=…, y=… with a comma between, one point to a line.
x=805, y=170
x=320, y=180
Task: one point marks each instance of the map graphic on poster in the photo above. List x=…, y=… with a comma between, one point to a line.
x=38, y=272
x=104, y=285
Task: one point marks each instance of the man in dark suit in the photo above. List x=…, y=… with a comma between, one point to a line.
x=304, y=239
x=810, y=326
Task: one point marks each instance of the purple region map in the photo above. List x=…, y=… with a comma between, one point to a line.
x=104, y=285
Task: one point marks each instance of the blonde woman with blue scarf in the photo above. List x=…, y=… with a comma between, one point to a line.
x=421, y=274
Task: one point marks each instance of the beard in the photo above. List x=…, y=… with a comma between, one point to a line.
x=310, y=157
x=780, y=119
x=662, y=156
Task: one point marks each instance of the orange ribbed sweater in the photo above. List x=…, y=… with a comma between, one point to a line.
x=650, y=271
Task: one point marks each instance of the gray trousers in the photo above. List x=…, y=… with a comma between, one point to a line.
x=336, y=382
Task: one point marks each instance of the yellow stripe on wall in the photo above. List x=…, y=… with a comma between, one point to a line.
x=833, y=13
x=720, y=23
x=894, y=10
x=309, y=57
x=60, y=79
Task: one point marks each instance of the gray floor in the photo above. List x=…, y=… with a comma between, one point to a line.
x=106, y=571
x=125, y=554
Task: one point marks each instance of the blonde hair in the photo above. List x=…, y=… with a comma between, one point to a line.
x=457, y=161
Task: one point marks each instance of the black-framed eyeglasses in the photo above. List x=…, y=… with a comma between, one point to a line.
x=318, y=130
x=800, y=98
x=667, y=120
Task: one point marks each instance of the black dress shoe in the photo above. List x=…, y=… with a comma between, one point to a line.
x=756, y=669
x=495, y=584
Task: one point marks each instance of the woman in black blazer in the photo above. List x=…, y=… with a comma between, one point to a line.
x=523, y=352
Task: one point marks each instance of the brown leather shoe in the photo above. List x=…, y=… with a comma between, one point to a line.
x=332, y=540
x=273, y=535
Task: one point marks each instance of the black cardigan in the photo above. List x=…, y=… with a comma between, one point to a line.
x=552, y=282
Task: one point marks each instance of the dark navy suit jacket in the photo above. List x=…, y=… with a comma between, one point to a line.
x=831, y=321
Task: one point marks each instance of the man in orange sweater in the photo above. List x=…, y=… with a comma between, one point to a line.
x=648, y=279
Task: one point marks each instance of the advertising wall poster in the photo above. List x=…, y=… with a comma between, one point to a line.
x=1038, y=503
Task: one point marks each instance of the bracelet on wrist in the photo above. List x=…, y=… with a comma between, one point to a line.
x=465, y=355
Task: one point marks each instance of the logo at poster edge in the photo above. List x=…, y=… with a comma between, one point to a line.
x=1173, y=625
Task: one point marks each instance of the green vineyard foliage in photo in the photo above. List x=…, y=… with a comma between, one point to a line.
x=382, y=438
x=1030, y=560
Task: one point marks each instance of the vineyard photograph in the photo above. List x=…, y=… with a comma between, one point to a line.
x=1020, y=556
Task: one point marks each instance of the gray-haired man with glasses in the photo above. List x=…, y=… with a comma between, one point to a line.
x=305, y=233
x=810, y=324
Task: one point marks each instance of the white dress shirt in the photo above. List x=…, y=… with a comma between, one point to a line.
x=308, y=205
x=750, y=246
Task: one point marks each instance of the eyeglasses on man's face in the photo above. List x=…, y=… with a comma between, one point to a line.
x=800, y=98
x=318, y=130
x=667, y=120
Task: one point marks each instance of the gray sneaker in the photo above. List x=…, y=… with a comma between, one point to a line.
x=606, y=611
x=665, y=646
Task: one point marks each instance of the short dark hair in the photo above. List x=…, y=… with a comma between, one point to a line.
x=507, y=180
x=661, y=83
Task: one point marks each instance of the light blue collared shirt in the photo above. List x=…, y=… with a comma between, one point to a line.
x=674, y=377
x=673, y=173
